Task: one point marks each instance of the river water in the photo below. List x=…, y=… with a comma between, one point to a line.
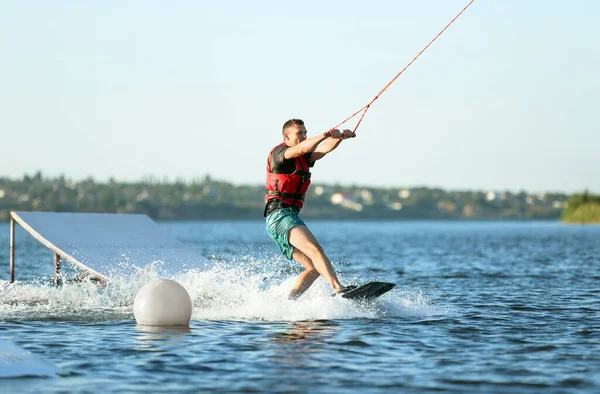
x=498, y=307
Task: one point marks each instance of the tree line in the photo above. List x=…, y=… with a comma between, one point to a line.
x=207, y=198
x=582, y=208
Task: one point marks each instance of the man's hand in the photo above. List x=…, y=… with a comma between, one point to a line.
x=348, y=134
x=335, y=133
x=332, y=139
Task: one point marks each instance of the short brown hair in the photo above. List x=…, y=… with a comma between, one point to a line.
x=290, y=123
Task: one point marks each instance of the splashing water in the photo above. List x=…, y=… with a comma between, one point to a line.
x=246, y=289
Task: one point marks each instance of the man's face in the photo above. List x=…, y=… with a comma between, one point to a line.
x=295, y=135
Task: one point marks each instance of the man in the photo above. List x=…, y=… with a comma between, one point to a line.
x=288, y=178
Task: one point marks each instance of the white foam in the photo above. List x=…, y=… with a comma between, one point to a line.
x=229, y=291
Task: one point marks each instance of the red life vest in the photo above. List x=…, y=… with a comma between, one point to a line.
x=288, y=188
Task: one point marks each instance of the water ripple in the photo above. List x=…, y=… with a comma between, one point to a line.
x=479, y=307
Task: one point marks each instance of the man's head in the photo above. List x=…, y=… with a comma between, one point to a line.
x=293, y=132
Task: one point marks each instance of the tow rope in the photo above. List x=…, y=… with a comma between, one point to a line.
x=366, y=107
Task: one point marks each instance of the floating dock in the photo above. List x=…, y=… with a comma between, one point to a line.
x=16, y=362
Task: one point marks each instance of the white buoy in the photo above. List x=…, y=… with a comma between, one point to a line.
x=162, y=302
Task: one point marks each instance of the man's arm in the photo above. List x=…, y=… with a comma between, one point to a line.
x=306, y=146
x=331, y=143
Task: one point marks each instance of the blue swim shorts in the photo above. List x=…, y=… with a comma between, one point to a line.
x=279, y=224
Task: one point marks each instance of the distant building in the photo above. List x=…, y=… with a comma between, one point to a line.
x=404, y=194
x=367, y=196
x=143, y=195
x=319, y=190
x=541, y=196
x=529, y=200
x=447, y=206
x=343, y=201
x=337, y=198
x=396, y=206
x=209, y=191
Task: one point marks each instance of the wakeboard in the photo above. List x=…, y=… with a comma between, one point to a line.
x=368, y=291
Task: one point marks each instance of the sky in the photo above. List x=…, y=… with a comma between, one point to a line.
x=503, y=100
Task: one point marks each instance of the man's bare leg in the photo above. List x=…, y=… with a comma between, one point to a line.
x=306, y=278
x=302, y=239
